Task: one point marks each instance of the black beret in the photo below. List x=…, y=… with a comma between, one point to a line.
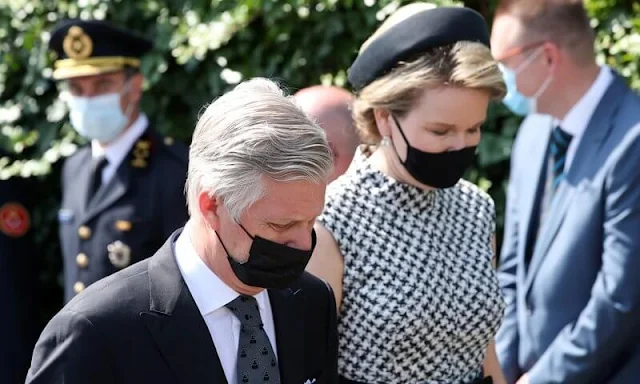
x=90, y=47
x=417, y=34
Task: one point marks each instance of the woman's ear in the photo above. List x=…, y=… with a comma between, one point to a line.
x=383, y=121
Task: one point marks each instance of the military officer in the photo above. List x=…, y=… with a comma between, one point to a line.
x=123, y=193
x=18, y=277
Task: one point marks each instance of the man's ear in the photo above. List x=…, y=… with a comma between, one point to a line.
x=135, y=87
x=209, y=207
x=553, y=55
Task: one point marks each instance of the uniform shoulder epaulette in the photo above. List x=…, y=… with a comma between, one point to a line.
x=176, y=148
x=153, y=144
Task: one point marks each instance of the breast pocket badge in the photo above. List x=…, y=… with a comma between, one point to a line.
x=119, y=254
x=65, y=216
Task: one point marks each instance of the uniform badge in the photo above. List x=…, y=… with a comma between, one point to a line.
x=141, y=153
x=77, y=44
x=119, y=254
x=123, y=225
x=65, y=215
x=14, y=219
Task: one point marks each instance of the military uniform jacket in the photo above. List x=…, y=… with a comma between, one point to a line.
x=128, y=218
x=18, y=279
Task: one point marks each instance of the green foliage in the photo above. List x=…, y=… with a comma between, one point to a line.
x=618, y=36
x=202, y=48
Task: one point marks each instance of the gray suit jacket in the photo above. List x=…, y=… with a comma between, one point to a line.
x=573, y=311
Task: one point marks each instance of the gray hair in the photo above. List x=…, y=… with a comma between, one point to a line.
x=251, y=132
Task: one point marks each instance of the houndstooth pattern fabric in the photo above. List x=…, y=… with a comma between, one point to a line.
x=421, y=300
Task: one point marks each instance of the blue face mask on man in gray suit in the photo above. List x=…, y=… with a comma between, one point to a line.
x=514, y=100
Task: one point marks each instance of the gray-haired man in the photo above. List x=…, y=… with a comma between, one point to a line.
x=198, y=311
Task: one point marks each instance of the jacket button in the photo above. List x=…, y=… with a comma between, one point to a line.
x=84, y=232
x=78, y=287
x=82, y=260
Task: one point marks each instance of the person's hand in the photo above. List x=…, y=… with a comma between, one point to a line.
x=524, y=379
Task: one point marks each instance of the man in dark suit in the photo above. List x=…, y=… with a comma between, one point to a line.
x=570, y=262
x=18, y=276
x=198, y=311
x=123, y=193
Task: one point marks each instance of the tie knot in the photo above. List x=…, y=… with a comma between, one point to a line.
x=99, y=163
x=246, y=309
x=560, y=139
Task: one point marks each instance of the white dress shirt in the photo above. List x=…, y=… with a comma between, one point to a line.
x=116, y=151
x=211, y=294
x=577, y=119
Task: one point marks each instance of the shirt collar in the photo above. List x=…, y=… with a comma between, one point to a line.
x=209, y=292
x=116, y=151
x=577, y=119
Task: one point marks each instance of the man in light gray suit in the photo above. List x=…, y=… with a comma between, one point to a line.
x=570, y=263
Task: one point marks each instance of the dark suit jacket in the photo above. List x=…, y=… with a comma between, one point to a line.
x=18, y=277
x=141, y=325
x=139, y=208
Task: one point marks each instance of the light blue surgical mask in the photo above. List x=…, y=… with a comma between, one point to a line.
x=516, y=101
x=98, y=118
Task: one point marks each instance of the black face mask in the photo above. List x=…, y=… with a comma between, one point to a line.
x=438, y=170
x=271, y=265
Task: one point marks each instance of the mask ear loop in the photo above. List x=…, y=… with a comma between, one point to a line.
x=225, y=248
x=222, y=243
x=245, y=231
x=528, y=61
x=395, y=150
x=541, y=89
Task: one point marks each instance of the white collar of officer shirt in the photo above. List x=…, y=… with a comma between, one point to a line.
x=120, y=148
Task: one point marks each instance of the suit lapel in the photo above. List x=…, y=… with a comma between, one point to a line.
x=111, y=192
x=176, y=325
x=532, y=185
x=586, y=156
x=82, y=178
x=549, y=228
x=288, y=315
x=136, y=161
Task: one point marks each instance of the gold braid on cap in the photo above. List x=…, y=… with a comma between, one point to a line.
x=99, y=62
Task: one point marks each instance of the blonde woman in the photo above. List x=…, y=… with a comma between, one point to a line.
x=405, y=242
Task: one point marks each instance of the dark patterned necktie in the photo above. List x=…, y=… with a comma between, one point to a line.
x=560, y=141
x=97, y=166
x=256, y=362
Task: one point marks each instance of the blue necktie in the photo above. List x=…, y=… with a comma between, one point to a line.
x=560, y=141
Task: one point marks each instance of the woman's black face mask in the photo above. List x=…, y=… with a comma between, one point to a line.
x=438, y=170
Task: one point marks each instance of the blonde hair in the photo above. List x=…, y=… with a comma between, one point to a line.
x=463, y=64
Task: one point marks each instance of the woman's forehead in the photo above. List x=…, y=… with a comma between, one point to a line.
x=450, y=106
